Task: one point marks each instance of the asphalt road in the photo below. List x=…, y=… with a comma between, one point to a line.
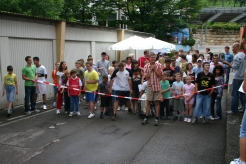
x=48, y=138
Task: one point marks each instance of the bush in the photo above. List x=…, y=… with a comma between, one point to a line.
x=190, y=42
x=220, y=25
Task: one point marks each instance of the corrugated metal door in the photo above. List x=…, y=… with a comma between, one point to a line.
x=19, y=49
x=75, y=51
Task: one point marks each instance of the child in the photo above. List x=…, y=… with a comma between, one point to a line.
x=188, y=93
x=105, y=100
x=189, y=72
x=65, y=90
x=136, y=74
x=110, y=72
x=218, y=92
x=74, y=82
x=11, y=87
x=178, y=100
x=165, y=90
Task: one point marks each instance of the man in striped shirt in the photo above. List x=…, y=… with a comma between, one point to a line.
x=144, y=59
x=153, y=73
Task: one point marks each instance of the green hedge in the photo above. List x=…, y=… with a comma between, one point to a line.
x=219, y=25
x=190, y=42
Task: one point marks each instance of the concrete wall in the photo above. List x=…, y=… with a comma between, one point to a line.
x=52, y=41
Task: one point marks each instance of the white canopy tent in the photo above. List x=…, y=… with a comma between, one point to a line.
x=134, y=42
x=159, y=44
x=138, y=43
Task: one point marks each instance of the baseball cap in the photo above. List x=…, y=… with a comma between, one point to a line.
x=199, y=60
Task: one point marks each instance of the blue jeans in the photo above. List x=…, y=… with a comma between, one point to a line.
x=218, y=105
x=10, y=92
x=30, y=94
x=243, y=126
x=203, y=105
x=236, y=95
x=74, y=100
x=228, y=69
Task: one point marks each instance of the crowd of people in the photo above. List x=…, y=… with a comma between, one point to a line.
x=183, y=87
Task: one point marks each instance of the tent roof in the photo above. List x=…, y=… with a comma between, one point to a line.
x=223, y=14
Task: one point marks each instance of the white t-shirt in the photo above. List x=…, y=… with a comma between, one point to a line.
x=60, y=75
x=41, y=71
x=144, y=86
x=121, y=80
x=189, y=58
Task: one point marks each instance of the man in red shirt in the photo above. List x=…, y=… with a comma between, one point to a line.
x=144, y=59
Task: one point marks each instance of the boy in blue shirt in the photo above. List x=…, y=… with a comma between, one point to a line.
x=178, y=105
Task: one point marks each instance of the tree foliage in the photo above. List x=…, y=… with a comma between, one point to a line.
x=160, y=17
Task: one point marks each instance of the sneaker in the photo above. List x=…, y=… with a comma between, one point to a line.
x=194, y=121
x=129, y=111
x=231, y=113
x=54, y=104
x=163, y=117
x=122, y=107
x=63, y=104
x=95, y=108
x=180, y=118
x=156, y=122
x=203, y=120
x=79, y=101
x=113, y=118
x=126, y=108
x=237, y=161
x=70, y=114
x=217, y=118
x=186, y=119
x=44, y=107
x=57, y=111
x=118, y=108
x=175, y=117
x=145, y=121
x=91, y=115
x=66, y=112
x=36, y=111
x=201, y=117
x=211, y=118
x=78, y=114
x=101, y=115
x=106, y=113
x=189, y=120
x=28, y=113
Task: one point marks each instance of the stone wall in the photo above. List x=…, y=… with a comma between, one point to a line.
x=216, y=37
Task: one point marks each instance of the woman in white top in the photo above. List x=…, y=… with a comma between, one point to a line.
x=59, y=74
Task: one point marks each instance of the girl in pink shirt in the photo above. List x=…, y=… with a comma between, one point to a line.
x=188, y=92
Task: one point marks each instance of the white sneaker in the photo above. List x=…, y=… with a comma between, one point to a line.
x=79, y=101
x=70, y=114
x=126, y=108
x=58, y=111
x=78, y=114
x=44, y=107
x=95, y=108
x=201, y=117
x=91, y=115
x=36, y=111
x=118, y=108
x=189, y=120
x=186, y=119
x=54, y=104
x=122, y=107
x=210, y=118
x=237, y=161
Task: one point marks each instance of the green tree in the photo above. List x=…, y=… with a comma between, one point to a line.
x=77, y=11
x=159, y=17
x=43, y=8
